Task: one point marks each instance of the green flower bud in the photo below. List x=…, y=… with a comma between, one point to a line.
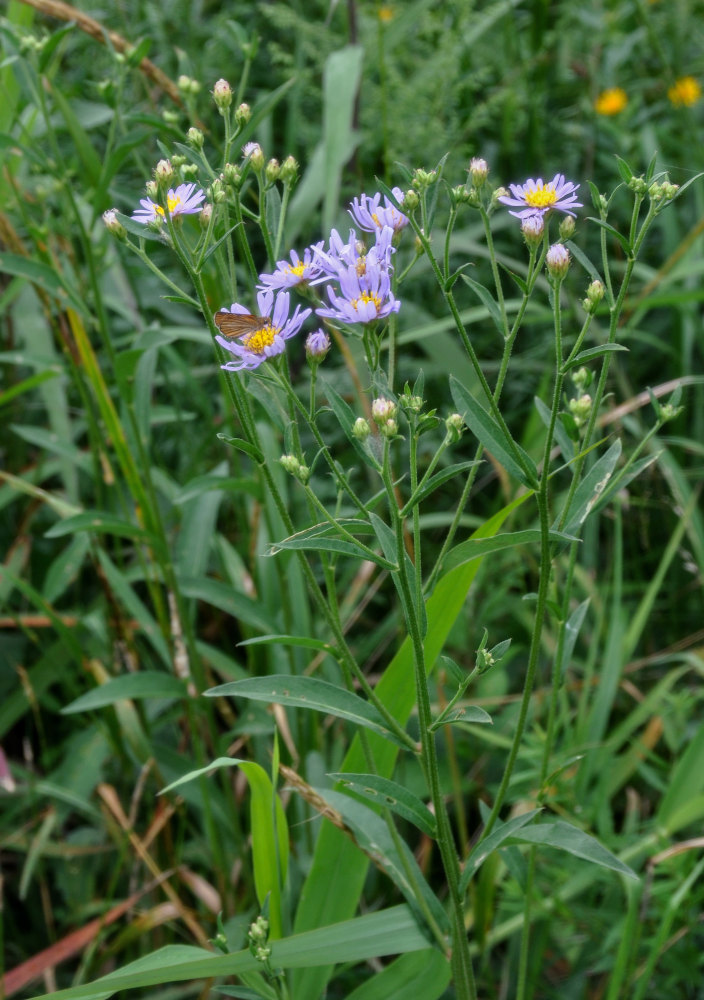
x=478, y=171
x=242, y=115
x=289, y=171
x=361, y=429
x=113, y=224
x=557, y=261
x=567, y=228
x=164, y=173
x=454, y=425
x=195, y=138
x=595, y=293
x=410, y=200
x=222, y=95
x=273, y=170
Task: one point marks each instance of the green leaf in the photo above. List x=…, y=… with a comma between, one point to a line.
x=101, y=522
x=481, y=852
x=321, y=543
x=466, y=713
x=269, y=832
x=686, y=780
x=372, y=835
x=249, y=449
x=391, y=795
x=393, y=931
x=232, y=602
x=474, y=548
x=591, y=488
x=304, y=641
x=569, y=838
x=420, y=975
x=492, y=306
x=434, y=482
x=591, y=354
x=561, y=435
x=145, y=684
x=342, y=75
x=493, y=437
x=307, y=692
x=626, y=246
x=231, y=484
x=580, y=256
x=346, y=418
x=623, y=169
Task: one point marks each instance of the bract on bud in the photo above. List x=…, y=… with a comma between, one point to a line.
x=410, y=200
x=289, y=170
x=595, y=293
x=317, y=346
x=383, y=410
x=533, y=228
x=164, y=173
x=580, y=409
x=567, y=228
x=301, y=472
x=242, y=114
x=454, y=425
x=195, y=138
x=222, y=95
x=273, y=170
x=113, y=224
x=478, y=170
x=582, y=379
x=557, y=260
x=205, y=215
x=232, y=174
x=423, y=178
x=152, y=189
x=253, y=152
x=361, y=429
x=389, y=429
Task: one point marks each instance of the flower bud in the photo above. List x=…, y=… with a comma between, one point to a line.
x=164, y=173
x=178, y=161
x=454, y=425
x=478, y=171
x=473, y=197
x=567, y=228
x=317, y=346
x=669, y=412
x=670, y=190
x=232, y=175
x=580, y=409
x=195, y=138
x=582, y=378
x=187, y=85
x=216, y=192
x=113, y=224
x=273, y=170
x=206, y=213
x=299, y=471
x=423, y=178
x=389, y=429
x=361, y=429
x=414, y=404
x=557, y=260
x=170, y=117
x=499, y=192
x=533, y=227
x=289, y=171
x=253, y=152
x=189, y=171
x=242, y=114
x=152, y=189
x=638, y=185
x=595, y=293
x=222, y=95
x=383, y=410
x=410, y=200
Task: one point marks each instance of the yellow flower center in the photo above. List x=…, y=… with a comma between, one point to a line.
x=258, y=341
x=386, y=14
x=365, y=298
x=542, y=196
x=361, y=266
x=298, y=269
x=172, y=202
x=375, y=220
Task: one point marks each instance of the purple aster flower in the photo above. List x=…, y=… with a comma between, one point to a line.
x=296, y=272
x=365, y=297
x=253, y=339
x=354, y=253
x=535, y=197
x=185, y=200
x=371, y=215
x=317, y=345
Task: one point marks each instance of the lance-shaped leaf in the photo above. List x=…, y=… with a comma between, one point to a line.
x=393, y=796
x=591, y=488
x=491, y=843
x=308, y=692
x=494, y=438
x=474, y=548
x=575, y=841
x=144, y=684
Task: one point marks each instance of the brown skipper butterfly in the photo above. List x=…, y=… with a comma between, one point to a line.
x=234, y=325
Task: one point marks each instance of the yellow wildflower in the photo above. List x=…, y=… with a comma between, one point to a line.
x=611, y=101
x=385, y=13
x=685, y=92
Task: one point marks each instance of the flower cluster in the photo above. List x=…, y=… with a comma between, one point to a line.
x=358, y=287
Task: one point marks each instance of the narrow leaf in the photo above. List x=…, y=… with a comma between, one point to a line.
x=591, y=354
x=145, y=684
x=391, y=795
x=307, y=692
x=569, y=838
x=474, y=548
x=495, y=839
